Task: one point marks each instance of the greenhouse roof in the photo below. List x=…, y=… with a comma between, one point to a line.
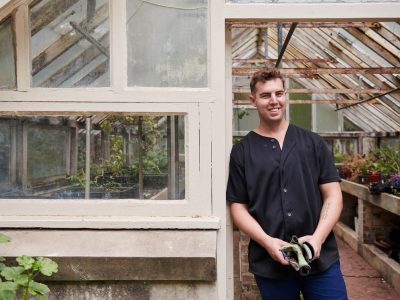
x=340, y=64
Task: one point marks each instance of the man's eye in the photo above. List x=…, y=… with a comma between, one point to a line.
x=280, y=94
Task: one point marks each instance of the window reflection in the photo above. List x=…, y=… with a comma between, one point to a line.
x=70, y=43
x=7, y=61
x=5, y=152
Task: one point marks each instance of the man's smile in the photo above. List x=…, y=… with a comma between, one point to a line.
x=274, y=109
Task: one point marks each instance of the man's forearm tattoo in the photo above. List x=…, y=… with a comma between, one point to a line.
x=325, y=210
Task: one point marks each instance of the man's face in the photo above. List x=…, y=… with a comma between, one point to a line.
x=270, y=100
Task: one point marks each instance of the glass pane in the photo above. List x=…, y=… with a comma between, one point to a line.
x=131, y=157
x=300, y=115
x=70, y=43
x=5, y=154
x=327, y=118
x=7, y=62
x=350, y=126
x=46, y=151
x=167, y=43
x=245, y=119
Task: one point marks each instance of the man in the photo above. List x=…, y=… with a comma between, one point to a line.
x=282, y=182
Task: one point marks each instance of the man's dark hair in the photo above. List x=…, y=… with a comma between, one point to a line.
x=264, y=76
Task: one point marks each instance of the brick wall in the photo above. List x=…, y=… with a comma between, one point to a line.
x=245, y=285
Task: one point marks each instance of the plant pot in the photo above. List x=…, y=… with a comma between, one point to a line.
x=363, y=179
x=375, y=176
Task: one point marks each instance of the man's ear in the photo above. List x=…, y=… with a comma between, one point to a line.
x=252, y=100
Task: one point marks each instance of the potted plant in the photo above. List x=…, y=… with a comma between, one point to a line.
x=385, y=170
x=355, y=168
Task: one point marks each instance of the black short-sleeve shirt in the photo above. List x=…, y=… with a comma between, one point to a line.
x=281, y=190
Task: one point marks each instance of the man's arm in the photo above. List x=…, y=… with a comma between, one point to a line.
x=330, y=213
x=247, y=224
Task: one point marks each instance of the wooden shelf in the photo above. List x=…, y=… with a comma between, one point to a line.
x=368, y=225
x=386, y=201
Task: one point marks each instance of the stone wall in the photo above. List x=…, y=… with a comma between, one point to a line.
x=123, y=264
x=131, y=290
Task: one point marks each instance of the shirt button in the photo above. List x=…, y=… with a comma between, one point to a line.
x=273, y=147
x=284, y=190
x=289, y=214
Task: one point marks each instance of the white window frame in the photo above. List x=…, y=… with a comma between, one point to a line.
x=194, y=103
x=197, y=161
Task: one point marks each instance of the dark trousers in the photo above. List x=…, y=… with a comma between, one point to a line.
x=328, y=285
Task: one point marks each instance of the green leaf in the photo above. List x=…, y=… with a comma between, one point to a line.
x=4, y=238
x=22, y=279
x=2, y=266
x=36, y=288
x=10, y=273
x=7, y=295
x=46, y=266
x=42, y=297
x=2, y=258
x=25, y=261
x=8, y=286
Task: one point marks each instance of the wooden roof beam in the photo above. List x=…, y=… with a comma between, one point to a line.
x=272, y=61
x=240, y=38
x=47, y=13
x=368, y=99
x=243, y=71
x=248, y=40
x=306, y=101
x=90, y=39
x=370, y=43
x=345, y=52
x=356, y=58
x=322, y=91
x=334, y=80
x=305, y=24
x=388, y=35
x=66, y=41
x=381, y=41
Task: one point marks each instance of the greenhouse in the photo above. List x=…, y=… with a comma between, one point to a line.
x=117, y=119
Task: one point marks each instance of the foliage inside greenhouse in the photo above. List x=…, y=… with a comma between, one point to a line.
x=114, y=156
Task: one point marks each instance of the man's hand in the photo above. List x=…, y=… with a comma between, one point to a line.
x=315, y=242
x=247, y=224
x=272, y=246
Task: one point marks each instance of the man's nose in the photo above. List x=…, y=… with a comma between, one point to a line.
x=273, y=98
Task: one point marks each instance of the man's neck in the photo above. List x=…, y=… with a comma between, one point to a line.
x=272, y=129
